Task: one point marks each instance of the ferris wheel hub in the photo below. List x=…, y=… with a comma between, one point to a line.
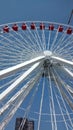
x=47, y=53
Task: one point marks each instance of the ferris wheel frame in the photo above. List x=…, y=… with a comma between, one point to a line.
x=38, y=63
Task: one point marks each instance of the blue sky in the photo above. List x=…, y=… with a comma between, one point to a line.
x=31, y=10
x=50, y=10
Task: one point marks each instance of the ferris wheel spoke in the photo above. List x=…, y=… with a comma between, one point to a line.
x=43, y=40
x=49, y=37
x=70, y=74
x=7, y=55
x=19, y=93
x=12, y=69
x=68, y=71
x=18, y=46
x=59, y=42
x=63, y=95
x=66, y=124
x=62, y=61
x=33, y=38
x=29, y=106
x=10, y=82
x=61, y=109
x=25, y=42
x=65, y=40
x=18, y=33
x=39, y=39
x=66, y=43
x=11, y=58
x=68, y=47
x=67, y=55
x=54, y=40
x=15, y=38
x=10, y=114
x=41, y=104
x=36, y=38
x=52, y=123
x=10, y=47
x=20, y=42
x=38, y=42
x=19, y=37
x=69, y=38
x=18, y=81
x=52, y=106
x=8, y=40
x=29, y=41
x=18, y=103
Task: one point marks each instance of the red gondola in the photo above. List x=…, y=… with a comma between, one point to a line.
x=15, y=27
x=33, y=27
x=69, y=31
x=51, y=27
x=42, y=26
x=6, y=29
x=60, y=28
x=24, y=26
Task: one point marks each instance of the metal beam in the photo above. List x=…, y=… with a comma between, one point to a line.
x=18, y=81
x=16, y=106
x=62, y=61
x=24, y=89
x=13, y=69
x=59, y=84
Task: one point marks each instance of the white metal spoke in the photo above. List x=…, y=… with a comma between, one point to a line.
x=10, y=70
x=41, y=103
x=19, y=43
x=67, y=87
x=18, y=94
x=12, y=79
x=18, y=81
x=66, y=43
x=33, y=37
x=25, y=42
x=59, y=43
x=68, y=71
x=39, y=39
x=63, y=95
x=62, y=112
x=53, y=116
x=14, y=108
x=49, y=40
x=54, y=41
x=28, y=107
x=43, y=40
x=36, y=38
x=62, y=61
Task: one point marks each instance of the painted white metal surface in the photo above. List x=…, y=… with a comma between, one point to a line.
x=15, y=68
x=18, y=81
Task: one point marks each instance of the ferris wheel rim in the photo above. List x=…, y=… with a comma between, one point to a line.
x=36, y=21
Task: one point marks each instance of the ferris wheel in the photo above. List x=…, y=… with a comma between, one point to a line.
x=36, y=74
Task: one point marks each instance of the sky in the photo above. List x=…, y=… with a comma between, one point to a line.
x=50, y=10
x=34, y=10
